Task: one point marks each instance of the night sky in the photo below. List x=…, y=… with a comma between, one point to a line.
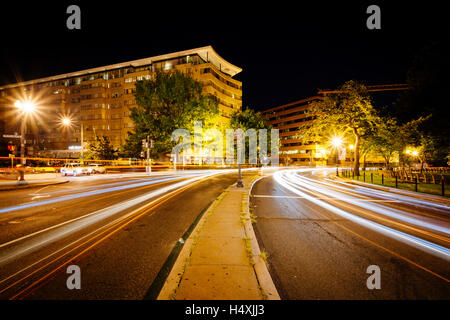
x=286, y=49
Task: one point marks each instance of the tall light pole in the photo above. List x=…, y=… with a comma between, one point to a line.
x=67, y=122
x=26, y=108
x=336, y=142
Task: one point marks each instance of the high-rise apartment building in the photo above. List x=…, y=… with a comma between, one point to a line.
x=98, y=99
x=292, y=120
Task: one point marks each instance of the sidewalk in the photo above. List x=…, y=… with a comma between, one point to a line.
x=221, y=258
x=33, y=180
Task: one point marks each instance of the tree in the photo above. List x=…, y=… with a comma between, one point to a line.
x=102, y=149
x=170, y=101
x=386, y=139
x=347, y=112
x=250, y=119
x=428, y=84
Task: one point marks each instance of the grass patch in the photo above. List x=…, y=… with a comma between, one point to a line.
x=429, y=188
x=264, y=255
x=248, y=248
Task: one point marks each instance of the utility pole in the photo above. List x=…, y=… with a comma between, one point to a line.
x=149, y=144
x=22, y=141
x=239, y=183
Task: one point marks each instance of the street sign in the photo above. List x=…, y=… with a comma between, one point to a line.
x=12, y=136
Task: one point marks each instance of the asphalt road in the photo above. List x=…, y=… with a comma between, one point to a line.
x=321, y=236
x=119, y=229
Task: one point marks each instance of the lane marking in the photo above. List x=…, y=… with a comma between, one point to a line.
x=382, y=247
x=122, y=219
x=322, y=198
x=80, y=217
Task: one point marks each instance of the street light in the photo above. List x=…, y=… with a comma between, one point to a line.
x=336, y=142
x=26, y=108
x=66, y=121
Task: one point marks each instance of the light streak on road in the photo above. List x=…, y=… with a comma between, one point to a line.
x=378, y=208
x=290, y=180
x=386, y=194
x=32, y=242
x=100, y=191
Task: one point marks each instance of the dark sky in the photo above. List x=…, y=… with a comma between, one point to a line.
x=286, y=49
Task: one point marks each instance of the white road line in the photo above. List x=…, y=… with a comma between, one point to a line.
x=322, y=198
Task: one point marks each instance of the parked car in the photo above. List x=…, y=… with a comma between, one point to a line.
x=74, y=169
x=96, y=168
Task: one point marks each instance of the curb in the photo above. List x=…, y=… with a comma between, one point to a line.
x=27, y=186
x=262, y=272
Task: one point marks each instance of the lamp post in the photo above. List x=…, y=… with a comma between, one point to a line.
x=239, y=183
x=67, y=122
x=336, y=142
x=26, y=108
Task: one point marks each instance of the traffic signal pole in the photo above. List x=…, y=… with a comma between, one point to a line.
x=22, y=142
x=148, y=144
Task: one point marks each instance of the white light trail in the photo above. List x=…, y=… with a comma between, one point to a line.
x=286, y=178
x=375, y=207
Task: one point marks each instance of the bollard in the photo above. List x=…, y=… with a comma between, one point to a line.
x=371, y=177
x=396, y=181
x=443, y=186
x=364, y=176
x=382, y=179
x=415, y=184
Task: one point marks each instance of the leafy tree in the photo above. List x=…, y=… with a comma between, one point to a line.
x=386, y=140
x=428, y=84
x=348, y=112
x=102, y=149
x=250, y=119
x=170, y=101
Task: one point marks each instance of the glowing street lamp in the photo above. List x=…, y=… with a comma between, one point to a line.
x=336, y=142
x=66, y=121
x=26, y=108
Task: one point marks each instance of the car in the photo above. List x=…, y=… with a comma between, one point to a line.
x=74, y=169
x=96, y=168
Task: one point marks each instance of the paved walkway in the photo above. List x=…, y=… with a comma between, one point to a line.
x=33, y=180
x=221, y=259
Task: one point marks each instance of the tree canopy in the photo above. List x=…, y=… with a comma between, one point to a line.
x=248, y=119
x=101, y=149
x=170, y=101
x=348, y=112
x=428, y=83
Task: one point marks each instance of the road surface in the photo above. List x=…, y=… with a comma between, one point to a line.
x=119, y=229
x=321, y=235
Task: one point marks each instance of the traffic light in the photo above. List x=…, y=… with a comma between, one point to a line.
x=11, y=148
